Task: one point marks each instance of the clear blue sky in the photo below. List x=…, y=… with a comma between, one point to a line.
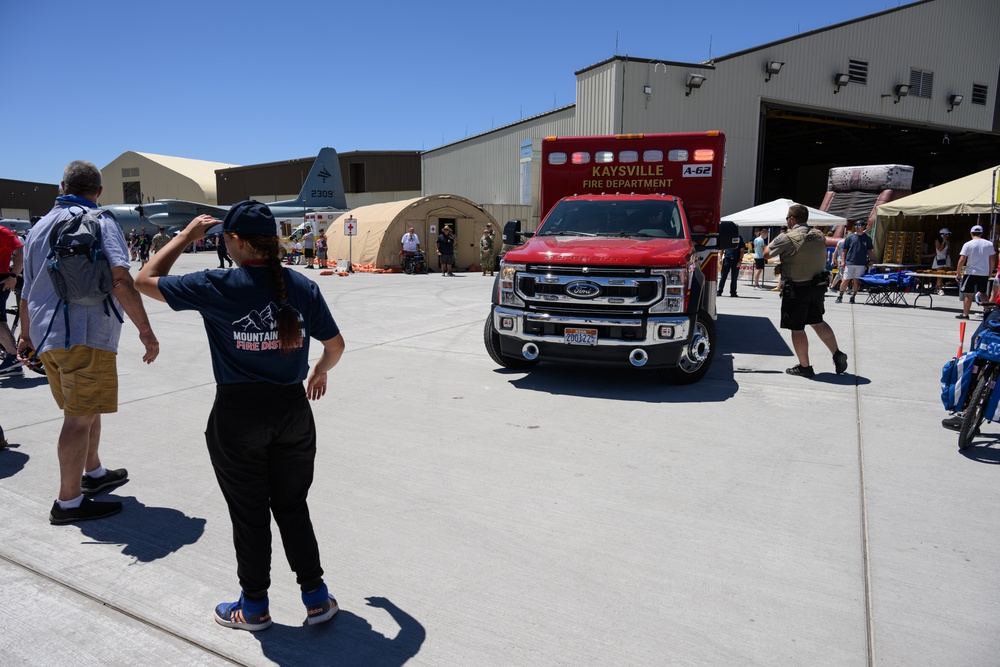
x=252, y=81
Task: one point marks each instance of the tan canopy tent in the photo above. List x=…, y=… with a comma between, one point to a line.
x=956, y=205
x=969, y=195
x=380, y=227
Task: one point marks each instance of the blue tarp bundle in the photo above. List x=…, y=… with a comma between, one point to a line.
x=886, y=281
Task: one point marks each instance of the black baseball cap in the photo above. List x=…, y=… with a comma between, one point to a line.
x=250, y=218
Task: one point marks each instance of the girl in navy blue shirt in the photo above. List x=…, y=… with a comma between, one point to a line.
x=261, y=435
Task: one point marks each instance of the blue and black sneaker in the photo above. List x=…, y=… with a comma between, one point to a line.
x=244, y=614
x=320, y=606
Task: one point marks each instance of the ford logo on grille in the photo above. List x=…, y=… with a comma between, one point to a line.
x=583, y=289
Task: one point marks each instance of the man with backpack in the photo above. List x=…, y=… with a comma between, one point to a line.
x=69, y=314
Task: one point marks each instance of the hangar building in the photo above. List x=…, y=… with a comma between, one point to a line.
x=914, y=85
x=139, y=178
x=370, y=177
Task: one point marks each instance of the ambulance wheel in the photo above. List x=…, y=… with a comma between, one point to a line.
x=698, y=353
x=491, y=338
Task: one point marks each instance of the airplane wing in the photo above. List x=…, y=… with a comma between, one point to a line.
x=180, y=207
x=167, y=213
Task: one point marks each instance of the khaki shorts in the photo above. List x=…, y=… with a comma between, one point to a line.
x=83, y=380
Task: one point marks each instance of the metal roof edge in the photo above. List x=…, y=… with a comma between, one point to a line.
x=502, y=127
x=650, y=61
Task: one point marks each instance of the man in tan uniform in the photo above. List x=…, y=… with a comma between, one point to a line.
x=803, y=260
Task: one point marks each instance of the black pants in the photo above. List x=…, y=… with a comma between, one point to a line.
x=262, y=442
x=729, y=268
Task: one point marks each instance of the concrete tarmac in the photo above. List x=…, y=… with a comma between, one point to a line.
x=469, y=515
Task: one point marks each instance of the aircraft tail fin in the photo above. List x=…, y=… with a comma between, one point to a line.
x=324, y=186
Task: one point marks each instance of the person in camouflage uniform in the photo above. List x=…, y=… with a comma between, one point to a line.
x=486, y=252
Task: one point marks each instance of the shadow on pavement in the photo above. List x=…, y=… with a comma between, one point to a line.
x=744, y=334
x=736, y=334
x=347, y=639
x=983, y=449
x=144, y=533
x=11, y=462
x=628, y=384
x=26, y=382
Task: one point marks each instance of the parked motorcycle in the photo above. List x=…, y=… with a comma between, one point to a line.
x=414, y=262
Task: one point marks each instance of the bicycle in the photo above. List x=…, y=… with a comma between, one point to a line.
x=980, y=407
x=34, y=362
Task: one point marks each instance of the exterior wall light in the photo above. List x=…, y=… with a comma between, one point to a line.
x=902, y=90
x=954, y=101
x=772, y=67
x=840, y=81
x=648, y=90
x=694, y=81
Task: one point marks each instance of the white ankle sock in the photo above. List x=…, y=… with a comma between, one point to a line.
x=97, y=472
x=71, y=504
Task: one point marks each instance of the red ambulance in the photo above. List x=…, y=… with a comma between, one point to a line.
x=622, y=270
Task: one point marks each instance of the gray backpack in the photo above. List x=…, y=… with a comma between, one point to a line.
x=79, y=270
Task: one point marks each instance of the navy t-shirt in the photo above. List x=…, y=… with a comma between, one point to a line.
x=856, y=247
x=239, y=308
x=446, y=243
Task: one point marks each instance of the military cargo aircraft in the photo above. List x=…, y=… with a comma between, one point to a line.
x=323, y=190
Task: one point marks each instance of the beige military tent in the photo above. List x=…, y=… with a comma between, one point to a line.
x=380, y=227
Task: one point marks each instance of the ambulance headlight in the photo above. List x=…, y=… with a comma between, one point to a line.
x=675, y=284
x=508, y=279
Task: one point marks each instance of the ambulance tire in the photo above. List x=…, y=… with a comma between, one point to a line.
x=491, y=338
x=695, y=363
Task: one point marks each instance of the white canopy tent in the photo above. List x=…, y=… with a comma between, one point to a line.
x=772, y=214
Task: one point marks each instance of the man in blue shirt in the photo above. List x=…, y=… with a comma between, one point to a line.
x=758, y=258
x=858, y=248
x=80, y=363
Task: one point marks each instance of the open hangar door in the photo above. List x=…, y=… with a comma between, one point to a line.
x=798, y=148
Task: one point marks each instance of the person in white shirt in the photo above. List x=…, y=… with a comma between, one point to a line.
x=410, y=241
x=979, y=259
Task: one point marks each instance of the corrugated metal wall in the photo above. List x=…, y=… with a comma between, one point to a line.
x=599, y=99
x=956, y=40
x=504, y=212
x=486, y=168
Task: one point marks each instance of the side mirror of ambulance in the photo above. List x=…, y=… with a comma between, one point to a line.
x=512, y=232
x=729, y=235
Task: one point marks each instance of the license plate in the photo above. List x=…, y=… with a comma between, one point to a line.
x=581, y=336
